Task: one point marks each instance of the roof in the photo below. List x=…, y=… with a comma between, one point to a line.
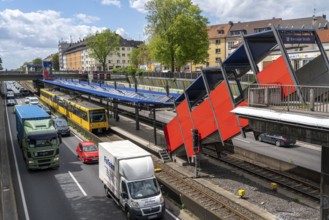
x=300, y=119
x=250, y=26
x=31, y=112
x=323, y=35
x=120, y=93
x=318, y=22
x=213, y=30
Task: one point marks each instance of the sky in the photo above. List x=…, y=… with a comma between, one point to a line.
x=32, y=29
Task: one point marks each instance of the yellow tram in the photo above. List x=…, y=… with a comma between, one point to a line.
x=88, y=115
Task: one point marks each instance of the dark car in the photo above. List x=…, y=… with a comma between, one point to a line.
x=62, y=126
x=278, y=140
x=45, y=108
x=11, y=102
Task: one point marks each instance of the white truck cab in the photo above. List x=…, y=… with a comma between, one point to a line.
x=127, y=172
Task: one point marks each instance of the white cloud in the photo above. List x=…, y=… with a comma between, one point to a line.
x=139, y=5
x=26, y=36
x=86, y=18
x=248, y=10
x=122, y=32
x=111, y=2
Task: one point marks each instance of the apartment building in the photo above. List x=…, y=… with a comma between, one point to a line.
x=77, y=57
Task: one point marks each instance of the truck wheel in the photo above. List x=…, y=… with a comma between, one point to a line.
x=128, y=217
x=107, y=192
x=277, y=143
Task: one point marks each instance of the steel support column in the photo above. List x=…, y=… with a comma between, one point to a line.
x=324, y=185
x=137, y=115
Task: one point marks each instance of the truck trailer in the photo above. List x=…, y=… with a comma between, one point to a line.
x=127, y=172
x=37, y=137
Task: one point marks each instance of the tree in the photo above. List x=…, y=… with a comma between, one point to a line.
x=55, y=61
x=102, y=44
x=139, y=56
x=38, y=63
x=178, y=32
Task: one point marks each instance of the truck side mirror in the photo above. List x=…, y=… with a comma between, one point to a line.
x=124, y=195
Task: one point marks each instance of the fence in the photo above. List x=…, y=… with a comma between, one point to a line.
x=290, y=97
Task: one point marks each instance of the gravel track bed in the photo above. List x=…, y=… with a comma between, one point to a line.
x=279, y=205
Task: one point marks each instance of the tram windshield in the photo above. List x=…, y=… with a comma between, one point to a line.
x=97, y=116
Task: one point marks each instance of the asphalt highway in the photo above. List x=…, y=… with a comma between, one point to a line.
x=73, y=191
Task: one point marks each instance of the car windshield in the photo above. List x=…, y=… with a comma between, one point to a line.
x=97, y=116
x=61, y=123
x=34, y=100
x=89, y=148
x=143, y=189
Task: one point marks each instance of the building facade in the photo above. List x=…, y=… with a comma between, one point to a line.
x=76, y=56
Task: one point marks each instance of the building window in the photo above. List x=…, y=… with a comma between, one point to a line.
x=109, y=61
x=118, y=54
x=217, y=59
x=238, y=32
x=220, y=31
x=123, y=61
x=230, y=44
x=257, y=30
x=128, y=61
x=217, y=41
x=217, y=50
x=122, y=48
x=118, y=61
x=123, y=55
x=128, y=48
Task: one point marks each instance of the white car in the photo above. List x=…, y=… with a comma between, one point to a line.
x=27, y=100
x=33, y=100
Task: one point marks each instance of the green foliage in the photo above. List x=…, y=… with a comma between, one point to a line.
x=1, y=68
x=178, y=32
x=140, y=55
x=55, y=61
x=102, y=44
x=130, y=70
x=37, y=61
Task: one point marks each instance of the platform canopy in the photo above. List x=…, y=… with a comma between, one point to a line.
x=120, y=93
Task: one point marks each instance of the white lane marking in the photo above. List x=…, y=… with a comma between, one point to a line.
x=83, y=192
x=77, y=136
x=26, y=212
x=172, y=215
x=242, y=140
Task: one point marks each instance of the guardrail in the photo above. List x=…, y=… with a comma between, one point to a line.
x=290, y=97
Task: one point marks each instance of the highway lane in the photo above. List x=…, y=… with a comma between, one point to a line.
x=304, y=155
x=73, y=191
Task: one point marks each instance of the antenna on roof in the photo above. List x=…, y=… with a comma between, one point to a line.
x=314, y=10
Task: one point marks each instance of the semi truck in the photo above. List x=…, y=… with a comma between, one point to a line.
x=127, y=172
x=37, y=137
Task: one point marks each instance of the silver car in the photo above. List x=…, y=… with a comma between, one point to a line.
x=62, y=126
x=278, y=140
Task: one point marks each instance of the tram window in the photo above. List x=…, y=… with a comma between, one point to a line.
x=97, y=116
x=84, y=116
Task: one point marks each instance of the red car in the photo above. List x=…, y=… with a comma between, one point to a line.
x=87, y=151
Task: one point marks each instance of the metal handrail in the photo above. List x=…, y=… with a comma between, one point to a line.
x=285, y=97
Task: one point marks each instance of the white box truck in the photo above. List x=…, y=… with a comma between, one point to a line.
x=127, y=172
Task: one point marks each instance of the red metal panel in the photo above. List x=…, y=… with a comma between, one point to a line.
x=203, y=119
x=173, y=135
x=183, y=115
x=227, y=122
x=276, y=73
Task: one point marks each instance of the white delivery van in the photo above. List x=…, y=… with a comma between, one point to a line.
x=127, y=172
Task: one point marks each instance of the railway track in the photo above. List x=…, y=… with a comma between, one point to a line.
x=219, y=206
x=295, y=184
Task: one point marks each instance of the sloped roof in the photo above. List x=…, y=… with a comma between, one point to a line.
x=318, y=22
x=213, y=30
x=250, y=26
x=323, y=35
